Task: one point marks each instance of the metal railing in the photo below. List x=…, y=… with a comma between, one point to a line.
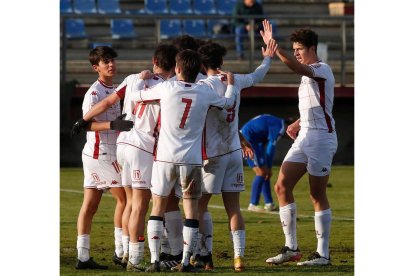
x=342, y=22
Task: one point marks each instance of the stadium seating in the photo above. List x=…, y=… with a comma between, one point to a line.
x=84, y=6
x=219, y=28
x=108, y=6
x=194, y=28
x=66, y=6
x=156, y=6
x=180, y=7
x=75, y=29
x=225, y=7
x=204, y=7
x=122, y=29
x=170, y=28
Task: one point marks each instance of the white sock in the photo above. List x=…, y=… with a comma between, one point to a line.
x=165, y=245
x=174, y=226
x=154, y=233
x=323, y=228
x=190, y=239
x=288, y=219
x=239, y=242
x=136, y=252
x=208, y=232
x=119, y=251
x=125, y=243
x=199, y=244
x=83, y=245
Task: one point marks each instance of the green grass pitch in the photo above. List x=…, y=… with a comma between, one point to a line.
x=264, y=235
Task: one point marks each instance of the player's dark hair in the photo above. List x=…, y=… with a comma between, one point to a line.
x=165, y=56
x=306, y=37
x=189, y=62
x=212, y=55
x=185, y=42
x=104, y=53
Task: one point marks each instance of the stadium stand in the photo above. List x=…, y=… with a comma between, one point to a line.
x=180, y=7
x=196, y=28
x=156, y=6
x=75, y=29
x=122, y=29
x=66, y=6
x=225, y=7
x=84, y=6
x=170, y=28
x=108, y=6
x=204, y=7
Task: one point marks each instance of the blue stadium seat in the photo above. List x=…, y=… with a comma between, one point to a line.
x=170, y=28
x=156, y=6
x=66, y=6
x=219, y=28
x=122, y=29
x=204, y=7
x=84, y=6
x=75, y=28
x=194, y=27
x=225, y=7
x=180, y=7
x=108, y=6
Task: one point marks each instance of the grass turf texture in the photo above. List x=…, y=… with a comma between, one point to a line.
x=264, y=235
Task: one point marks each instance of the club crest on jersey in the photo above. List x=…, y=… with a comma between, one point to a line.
x=239, y=178
x=137, y=174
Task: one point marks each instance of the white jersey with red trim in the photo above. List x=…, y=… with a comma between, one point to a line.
x=101, y=144
x=184, y=109
x=144, y=115
x=222, y=125
x=316, y=96
x=199, y=77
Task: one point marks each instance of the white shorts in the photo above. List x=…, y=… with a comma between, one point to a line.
x=223, y=174
x=186, y=179
x=136, y=166
x=316, y=148
x=100, y=174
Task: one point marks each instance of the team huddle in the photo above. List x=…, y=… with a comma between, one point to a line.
x=178, y=138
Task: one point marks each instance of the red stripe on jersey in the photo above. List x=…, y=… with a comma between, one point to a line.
x=116, y=166
x=121, y=92
x=96, y=146
x=321, y=85
x=104, y=85
x=203, y=144
x=156, y=135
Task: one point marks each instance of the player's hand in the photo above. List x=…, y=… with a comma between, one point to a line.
x=230, y=78
x=120, y=124
x=247, y=149
x=267, y=32
x=270, y=49
x=293, y=129
x=146, y=75
x=78, y=126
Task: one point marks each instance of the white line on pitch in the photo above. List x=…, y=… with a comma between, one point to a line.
x=222, y=207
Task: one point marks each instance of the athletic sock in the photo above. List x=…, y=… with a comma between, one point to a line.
x=256, y=189
x=190, y=233
x=208, y=232
x=119, y=251
x=165, y=245
x=323, y=228
x=239, y=242
x=267, y=193
x=83, y=245
x=133, y=253
x=125, y=244
x=154, y=233
x=288, y=219
x=174, y=226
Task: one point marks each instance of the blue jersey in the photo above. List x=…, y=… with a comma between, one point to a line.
x=263, y=132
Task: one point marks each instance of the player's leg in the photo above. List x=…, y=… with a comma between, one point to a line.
x=173, y=230
x=290, y=173
x=120, y=196
x=204, y=247
x=258, y=165
x=123, y=260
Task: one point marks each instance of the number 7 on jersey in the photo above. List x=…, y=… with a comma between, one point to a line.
x=186, y=111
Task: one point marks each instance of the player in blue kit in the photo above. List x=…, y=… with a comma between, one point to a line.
x=262, y=132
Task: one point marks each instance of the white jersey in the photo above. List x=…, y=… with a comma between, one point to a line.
x=199, y=77
x=144, y=115
x=222, y=133
x=184, y=109
x=100, y=144
x=316, y=96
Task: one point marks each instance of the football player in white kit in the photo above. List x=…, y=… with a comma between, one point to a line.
x=184, y=107
x=135, y=148
x=101, y=169
x=223, y=165
x=313, y=149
